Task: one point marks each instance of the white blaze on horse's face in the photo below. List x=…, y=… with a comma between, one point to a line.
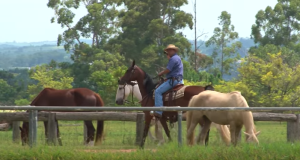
x=122, y=93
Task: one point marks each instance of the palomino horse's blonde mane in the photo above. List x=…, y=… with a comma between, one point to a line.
x=248, y=119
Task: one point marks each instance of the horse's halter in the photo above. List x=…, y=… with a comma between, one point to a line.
x=123, y=87
x=125, y=83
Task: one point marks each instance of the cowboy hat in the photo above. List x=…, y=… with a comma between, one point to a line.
x=171, y=46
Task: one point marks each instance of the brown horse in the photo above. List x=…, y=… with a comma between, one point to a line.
x=68, y=97
x=146, y=86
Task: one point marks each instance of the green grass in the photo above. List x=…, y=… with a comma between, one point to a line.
x=121, y=135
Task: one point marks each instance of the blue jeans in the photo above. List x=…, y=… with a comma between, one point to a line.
x=162, y=89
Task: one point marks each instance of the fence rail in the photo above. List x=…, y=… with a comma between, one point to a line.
x=72, y=116
x=171, y=108
x=70, y=113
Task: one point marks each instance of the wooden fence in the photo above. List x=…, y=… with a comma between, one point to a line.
x=16, y=117
x=293, y=120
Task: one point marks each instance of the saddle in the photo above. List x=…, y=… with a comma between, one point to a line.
x=172, y=94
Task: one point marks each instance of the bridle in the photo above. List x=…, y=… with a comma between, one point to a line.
x=124, y=83
x=123, y=87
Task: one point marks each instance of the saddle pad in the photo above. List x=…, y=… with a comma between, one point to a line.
x=179, y=94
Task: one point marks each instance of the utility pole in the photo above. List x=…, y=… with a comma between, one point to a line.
x=195, y=12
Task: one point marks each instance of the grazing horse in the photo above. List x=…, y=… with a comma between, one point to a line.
x=132, y=88
x=179, y=95
x=68, y=97
x=235, y=119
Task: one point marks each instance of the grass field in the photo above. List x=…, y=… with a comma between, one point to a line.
x=121, y=135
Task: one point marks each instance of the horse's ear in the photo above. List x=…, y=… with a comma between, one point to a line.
x=133, y=63
x=247, y=134
x=119, y=80
x=257, y=133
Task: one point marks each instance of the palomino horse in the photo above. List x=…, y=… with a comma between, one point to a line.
x=123, y=92
x=235, y=119
x=68, y=97
x=146, y=86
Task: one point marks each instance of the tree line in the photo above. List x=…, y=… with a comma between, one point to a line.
x=267, y=75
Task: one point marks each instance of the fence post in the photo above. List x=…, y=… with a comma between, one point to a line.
x=140, y=118
x=16, y=131
x=32, y=127
x=293, y=130
x=84, y=133
x=179, y=128
x=52, y=129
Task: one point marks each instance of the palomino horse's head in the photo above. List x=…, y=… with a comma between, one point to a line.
x=24, y=133
x=252, y=137
x=132, y=74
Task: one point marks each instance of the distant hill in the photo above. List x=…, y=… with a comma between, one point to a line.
x=28, y=54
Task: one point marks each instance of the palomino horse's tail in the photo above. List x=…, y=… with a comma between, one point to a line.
x=225, y=133
x=189, y=117
x=100, y=124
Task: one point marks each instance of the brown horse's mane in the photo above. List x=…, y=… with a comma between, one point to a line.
x=39, y=95
x=148, y=83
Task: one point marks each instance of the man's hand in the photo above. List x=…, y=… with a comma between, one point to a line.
x=163, y=72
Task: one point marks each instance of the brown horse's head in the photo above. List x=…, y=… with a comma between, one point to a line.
x=132, y=74
x=24, y=133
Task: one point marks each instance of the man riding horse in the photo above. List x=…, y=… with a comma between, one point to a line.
x=174, y=76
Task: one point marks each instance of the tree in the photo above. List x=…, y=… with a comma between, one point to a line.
x=279, y=26
x=7, y=93
x=266, y=82
x=48, y=77
x=99, y=24
x=148, y=27
x=221, y=38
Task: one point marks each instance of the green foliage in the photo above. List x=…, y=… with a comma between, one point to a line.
x=99, y=23
x=22, y=102
x=279, y=25
x=221, y=38
x=267, y=82
x=48, y=77
x=7, y=93
x=148, y=27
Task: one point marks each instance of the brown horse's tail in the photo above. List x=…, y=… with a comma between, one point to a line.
x=100, y=124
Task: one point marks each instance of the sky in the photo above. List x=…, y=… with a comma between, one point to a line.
x=29, y=21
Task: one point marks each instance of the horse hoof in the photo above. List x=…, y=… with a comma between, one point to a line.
x=91, y=143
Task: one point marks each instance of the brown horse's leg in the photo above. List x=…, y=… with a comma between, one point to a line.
x=158, y=132
x=58, y=134
x=146, y=129
x=163, y=122
x=90, y=132
x=46, y=131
